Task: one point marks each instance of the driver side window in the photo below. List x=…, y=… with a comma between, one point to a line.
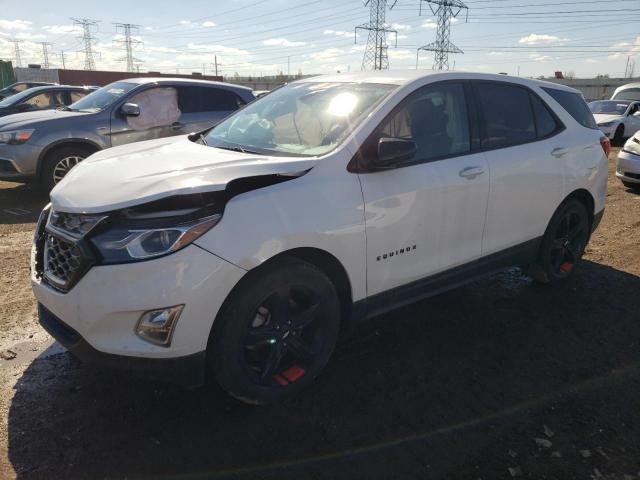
x=436, y=119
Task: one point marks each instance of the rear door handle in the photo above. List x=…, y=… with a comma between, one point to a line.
x=559, y=152
x=471, y=172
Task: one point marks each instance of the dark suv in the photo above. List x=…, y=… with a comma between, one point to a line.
x=20, y=87
x=43, y=98
x=46, y=144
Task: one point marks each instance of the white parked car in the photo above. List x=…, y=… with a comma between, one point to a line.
x=248, y=249
x=617, y=119
x=628, y=163
x=630, y=91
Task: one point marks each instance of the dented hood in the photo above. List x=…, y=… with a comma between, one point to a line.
x=138, y=173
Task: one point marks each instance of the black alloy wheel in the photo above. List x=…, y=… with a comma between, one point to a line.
x=276, y=331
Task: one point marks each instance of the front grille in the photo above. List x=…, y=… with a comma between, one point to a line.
x=63, y=262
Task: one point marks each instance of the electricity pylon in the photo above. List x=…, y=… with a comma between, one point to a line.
x=129, y=43
x=87, y=38
x=375, y=53
x=444, y=10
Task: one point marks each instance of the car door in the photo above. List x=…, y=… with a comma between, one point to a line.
x=525, y=151
x=632, y=120
x=425, y=215
x=158, y=116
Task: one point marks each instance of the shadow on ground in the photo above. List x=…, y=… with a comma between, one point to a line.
x=456, y=386
x=20, y=203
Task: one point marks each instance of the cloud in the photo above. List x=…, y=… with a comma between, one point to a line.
x=402, y=37
x=15, y=24
x=400, y=27
x=535, y=39
x=62, y=29
x=328, y=54
x=402, y=54
x=429, y=24
x=283, y=42
x=338, y=33
x=538, y=57
x=216, y=49
x=161, y=50
x=209, y=24
x=185, y=22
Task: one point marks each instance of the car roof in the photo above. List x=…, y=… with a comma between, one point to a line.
x=405, y=77
x=164, y=80
x=49, y=88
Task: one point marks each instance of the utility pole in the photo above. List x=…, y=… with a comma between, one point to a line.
x=215, y=62
x=288, y=67
x=445, y=10
x=375, y=53
x=129, y=43
x=16, y=49
x=64, y=66
x=87, y=38
x=45, y=54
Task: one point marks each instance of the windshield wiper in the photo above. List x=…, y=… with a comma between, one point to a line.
x=238, y=149
x=64, y=108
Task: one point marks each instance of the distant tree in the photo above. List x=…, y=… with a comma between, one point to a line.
x=236, y=75
x=281, y=76
x=250, y=78
x=570, y=75
x=299, y=73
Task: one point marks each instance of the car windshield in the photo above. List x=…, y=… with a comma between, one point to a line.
x=628, y=94
x=103, y=97
x=300, y=119
x=609, y=107
x=17, y=98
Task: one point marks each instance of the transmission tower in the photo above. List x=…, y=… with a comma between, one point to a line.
x=129, y=43
x=444, y=10
x=375, y=53
x=87, y=38
x=16, y=49
x=45, y=54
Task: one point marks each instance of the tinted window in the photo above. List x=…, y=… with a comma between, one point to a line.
x=628, y=94
x=206, y=99
x=545, y=123
x=103, y=97
x=435, y=118
x=75, y=96
x=506, y=113
x=574, y=104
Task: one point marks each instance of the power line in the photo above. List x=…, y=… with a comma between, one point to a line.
x=87, y=38
x=445, y=10
x=129, y=42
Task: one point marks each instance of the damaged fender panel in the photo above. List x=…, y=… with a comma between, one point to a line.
x=159, y=169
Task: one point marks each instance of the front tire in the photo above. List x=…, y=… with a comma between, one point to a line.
x=59, y=163
x=276, y=332
x=563, y=244
x=618, y=137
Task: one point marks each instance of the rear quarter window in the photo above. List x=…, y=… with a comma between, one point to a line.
x=575, y=105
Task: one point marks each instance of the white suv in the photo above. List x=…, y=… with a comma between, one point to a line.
x=248, y=249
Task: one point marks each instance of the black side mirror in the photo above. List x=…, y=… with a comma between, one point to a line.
x=130, y=110
x=392, y=151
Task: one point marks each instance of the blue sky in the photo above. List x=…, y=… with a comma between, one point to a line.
x=254, y=37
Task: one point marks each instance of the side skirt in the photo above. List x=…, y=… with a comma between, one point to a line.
x=383, y=302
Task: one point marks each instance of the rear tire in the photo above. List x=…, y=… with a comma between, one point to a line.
x=563, y=244
x=618, y=137
x=58, y=163
x=275, y=333
x=632, y=186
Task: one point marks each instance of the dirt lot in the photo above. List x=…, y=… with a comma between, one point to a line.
x=498, y=379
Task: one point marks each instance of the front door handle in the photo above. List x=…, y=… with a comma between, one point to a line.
x=471, y=172
x=559, y=152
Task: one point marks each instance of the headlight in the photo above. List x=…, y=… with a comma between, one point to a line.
x=632, y=146
x=121, y=244
x=606, y=124
x=16, y=137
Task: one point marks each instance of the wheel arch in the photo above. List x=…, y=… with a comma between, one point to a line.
x=64, y=143
x=584, y=197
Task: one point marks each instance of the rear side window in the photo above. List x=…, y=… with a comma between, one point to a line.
x=575, y=105
x=206, y=99
x=628, y=94
x=545, y=122
x=506, y=113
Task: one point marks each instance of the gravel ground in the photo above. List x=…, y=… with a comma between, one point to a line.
x=498, y=379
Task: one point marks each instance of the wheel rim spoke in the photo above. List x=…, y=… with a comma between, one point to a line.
x=282, y=308
x=300, y=349
x=272, y=362
x=261, y=335
x=305, y=317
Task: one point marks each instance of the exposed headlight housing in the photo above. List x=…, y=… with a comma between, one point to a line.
x=16, y=137
x=123, y=245
x=632, y=146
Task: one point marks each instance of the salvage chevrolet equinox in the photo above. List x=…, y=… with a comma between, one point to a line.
x=246, y=250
